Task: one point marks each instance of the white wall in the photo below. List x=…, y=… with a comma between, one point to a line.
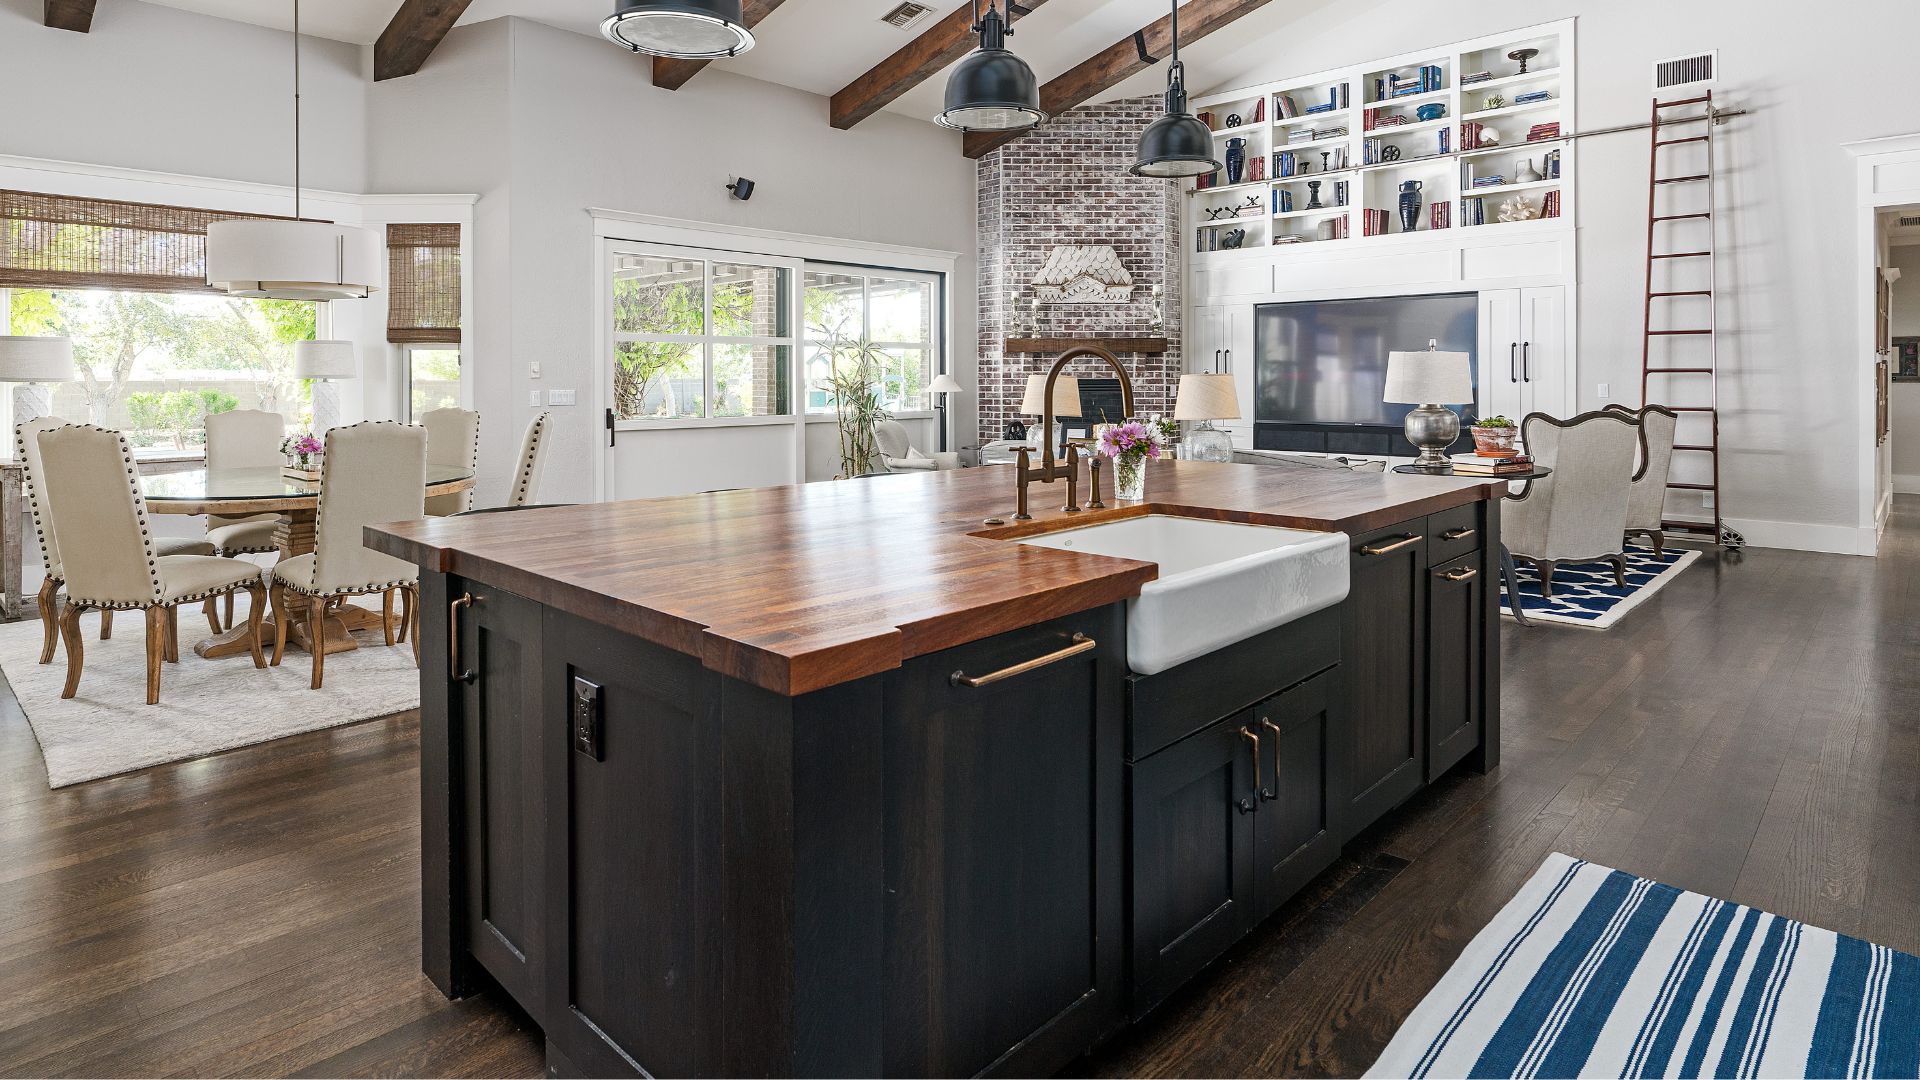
x=1789, y=353
x=1906, y=395
x=577, y=124
x=155, y=88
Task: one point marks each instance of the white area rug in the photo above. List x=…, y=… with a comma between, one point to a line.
x=205, y=705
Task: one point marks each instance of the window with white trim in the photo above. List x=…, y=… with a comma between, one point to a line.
x=888, y=317
x=700, y=334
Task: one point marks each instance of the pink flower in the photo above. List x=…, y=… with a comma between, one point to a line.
x=1130, y=442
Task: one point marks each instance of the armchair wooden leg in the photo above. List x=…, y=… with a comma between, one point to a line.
x=173, y=634
x=70, y=634
x=281, y=616
x=1619, y=569
x=1659, y=543
x=256, y=601
x=156, y=650
x=386, y=615
x=49, y=617
x=106, y=624
x=410, y=618
x=317, y=634
x=212, y=609
x=1544, y=568
x=227, y=617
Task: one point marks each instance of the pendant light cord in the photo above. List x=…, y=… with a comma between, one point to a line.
x=296, y=110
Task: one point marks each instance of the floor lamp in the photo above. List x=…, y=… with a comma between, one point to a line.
x=29, y=363
x=325, y=362
x=943, y=386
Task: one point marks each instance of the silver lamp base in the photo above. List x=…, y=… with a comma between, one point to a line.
x=1208, y=443
x=1431, y=429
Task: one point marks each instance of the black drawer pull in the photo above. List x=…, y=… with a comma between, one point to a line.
x=1461, y=574
x=1081, y=643
x=1382, y=549
x=1460, y=533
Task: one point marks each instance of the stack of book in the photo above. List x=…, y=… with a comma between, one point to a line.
x=1470, y=135
x=1473, y=211
x=1340, y=192
x=1284, y=108
x=1496, y=180
x=1329, y=133
x=1475, y=465
x=1376, y=223
x=1326, y=107
x=1286, y=163
x=1390, y=120
x=1289, y=238
x=1550, y=204
x=1550, y=165
x=1476, y=77
x=1204, y=181
x=1339, y=230
x=1543, y=131
x=1260, y=111
x=1369, y=151
x=1300, y=135
x=1446, y=140
x=1282, y=201
x=1440, y=216
x=1532, y=96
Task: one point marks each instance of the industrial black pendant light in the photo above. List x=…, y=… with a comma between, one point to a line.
x=680, y=29
x=992, y=89
x=1177, y=144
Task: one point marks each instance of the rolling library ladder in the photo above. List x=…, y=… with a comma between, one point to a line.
x=1688, y=384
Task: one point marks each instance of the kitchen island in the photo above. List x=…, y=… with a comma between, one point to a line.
x=839, y=779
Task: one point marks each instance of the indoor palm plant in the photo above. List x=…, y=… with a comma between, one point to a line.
x=850, y=369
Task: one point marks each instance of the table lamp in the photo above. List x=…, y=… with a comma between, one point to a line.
x=1206, y=398
x=943, y=385
x=1066, y=398
x=1431, y=380
x=29, y=362
x=324, y=362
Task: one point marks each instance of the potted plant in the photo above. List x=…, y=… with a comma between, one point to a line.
x=1131, y=445
x=1493, y=437
x=303, y=456
x=850, y=369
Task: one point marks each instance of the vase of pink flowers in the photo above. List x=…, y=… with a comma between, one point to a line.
x=303, y=455
x=1131, y=445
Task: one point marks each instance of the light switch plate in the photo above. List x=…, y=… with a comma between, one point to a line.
x=1603, y=391
x=533, y=370
x=561, y=397
x=533, y=397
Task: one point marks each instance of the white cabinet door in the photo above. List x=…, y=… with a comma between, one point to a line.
x=1204, y=346
x=1545, y=382
x=1501, y=391
x=1237, y=359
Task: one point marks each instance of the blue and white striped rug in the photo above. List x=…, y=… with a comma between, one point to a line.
x=1584, y=594
x=1594, y=972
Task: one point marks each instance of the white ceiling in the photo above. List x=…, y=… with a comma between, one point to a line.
x=821, y=45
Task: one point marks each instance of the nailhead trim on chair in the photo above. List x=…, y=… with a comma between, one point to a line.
x=33, y=495
x=526, y=465
x=127, y=606
x=320, y=509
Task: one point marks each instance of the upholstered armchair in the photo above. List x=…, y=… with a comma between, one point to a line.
x=109, y=557
x=453, y=438
x=1578, y=514
x=898, y=454
x=1647, y=503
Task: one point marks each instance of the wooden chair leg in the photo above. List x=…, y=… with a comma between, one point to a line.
x=386, y=615
x=212, y=609
x=49, y=617
x=156, y=651
x=317, y=636
x=256, y=601
x=1544, y=568
x=407, y=597
x=227, y=618
x=1619, y=569
x=410, y=618
x=106, y=624
x=70, y=635
x=1659, y=543
x=281, y=616
x=173, y=634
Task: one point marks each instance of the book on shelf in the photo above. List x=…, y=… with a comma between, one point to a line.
x=1550, y=166
x=1473, y=211
x=1282, y=201
x=1321, y=108
x=1476, y=77
x=1204, y=181
x=1286, y=163
x=1532, y=96
x=1337, y=97
x=1260, y=111
x=1440, y=216
x=1299, y=135
x=1445, y=140
x=1339, y=193
x=1470, y=131
x=1496, y=180
x=1284, y=108
x=1289, y=238
x=1256, y=169
x=1320, y=134
x=1369, y=151
x=1550, y=204
x=1375, y=222
x=1339, y=230
x=1207, y=119
x=1550, y=130
x=1390, y=121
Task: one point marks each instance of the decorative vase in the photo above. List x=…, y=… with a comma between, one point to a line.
x=1236, y=159
x=1130, y=478
x=1494, y=442
x=1409, y=205
x=1527, y=174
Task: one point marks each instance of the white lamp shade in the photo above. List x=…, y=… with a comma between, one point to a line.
x=294, y=260
x=1429, y=378
x=323, y=360
x=944, y=383
x=1206, y=397
x=36, y=359
x=1066, y=396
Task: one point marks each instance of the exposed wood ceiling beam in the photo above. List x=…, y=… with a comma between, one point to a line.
x=673, y=74
x=1109, y=67
x=76, y=15
x=936, y=49
x=412, y=35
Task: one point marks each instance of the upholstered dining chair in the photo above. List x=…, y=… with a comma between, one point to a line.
x=533, y=454
x=453, y=438
x=108, y=555
x=372, y=472
x=27, y=444
x=1578, y=514
x=243, y=439
x=1647, y=504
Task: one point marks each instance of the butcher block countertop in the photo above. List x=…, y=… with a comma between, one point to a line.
x=799, y=588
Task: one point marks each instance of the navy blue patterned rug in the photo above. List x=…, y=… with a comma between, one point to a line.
x=1595, y=972
x=1584, y=594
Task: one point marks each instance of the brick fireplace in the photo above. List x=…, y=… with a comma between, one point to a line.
x=1067, y=183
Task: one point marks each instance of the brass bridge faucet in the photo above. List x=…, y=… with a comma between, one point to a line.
x=1049, y=469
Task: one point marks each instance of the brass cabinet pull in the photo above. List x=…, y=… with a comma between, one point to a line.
x=1081, y=643
x=1271, y=793
x=1461, y=574
x=1248, y=735
x=454, y=670
x=1382, y=549
x=1460, y=533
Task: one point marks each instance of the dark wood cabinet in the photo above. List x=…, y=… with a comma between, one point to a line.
x=1294, y=838
x=1456, y=629
x=1381, y=745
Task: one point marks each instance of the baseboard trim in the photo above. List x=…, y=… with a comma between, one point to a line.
x=1906, y=483
x=1800, y=536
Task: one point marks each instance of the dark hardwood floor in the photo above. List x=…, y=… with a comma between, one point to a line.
x=1753, y=732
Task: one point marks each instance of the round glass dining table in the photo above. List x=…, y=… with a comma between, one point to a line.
x=244, y=492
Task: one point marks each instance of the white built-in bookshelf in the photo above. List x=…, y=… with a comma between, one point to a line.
x=1334, y=176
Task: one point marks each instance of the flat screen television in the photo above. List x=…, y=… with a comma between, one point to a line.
x=1324, y=362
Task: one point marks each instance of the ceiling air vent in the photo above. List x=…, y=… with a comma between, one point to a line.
x=1679, y=71
x=907, y=16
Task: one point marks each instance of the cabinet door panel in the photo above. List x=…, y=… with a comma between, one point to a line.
x=1381, y=753
x=1193, y=807
x=1543, y=373
x=1456, y=605
x=501, y=739
x=1294, y=837
x=1500, y=387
